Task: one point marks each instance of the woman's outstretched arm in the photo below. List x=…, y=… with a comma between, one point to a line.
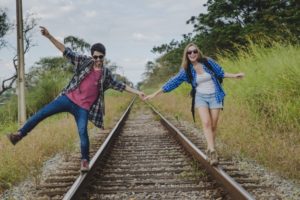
x=237, y=75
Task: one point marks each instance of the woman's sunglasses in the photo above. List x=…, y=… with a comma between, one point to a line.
x=194, y=51
x=100, y=57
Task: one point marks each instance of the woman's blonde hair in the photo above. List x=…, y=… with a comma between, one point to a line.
x=185, y=60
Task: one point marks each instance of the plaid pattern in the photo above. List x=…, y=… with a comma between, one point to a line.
x=182, y=76
x=82, y=66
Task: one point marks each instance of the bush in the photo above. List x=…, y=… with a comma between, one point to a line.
x=44, y=89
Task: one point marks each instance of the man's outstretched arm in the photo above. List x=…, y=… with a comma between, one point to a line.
x=134, y=91
x=56, y=43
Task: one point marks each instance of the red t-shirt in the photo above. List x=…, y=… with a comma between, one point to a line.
x=87, y=92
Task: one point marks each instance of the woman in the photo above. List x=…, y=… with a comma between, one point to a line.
x=205, y=75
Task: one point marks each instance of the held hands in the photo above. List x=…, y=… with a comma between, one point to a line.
x=149, y=97
x=141, y=95
x=44, y=31
x=153, y=94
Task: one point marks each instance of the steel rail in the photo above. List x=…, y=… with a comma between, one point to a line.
x=235, y=190
x=76, y=189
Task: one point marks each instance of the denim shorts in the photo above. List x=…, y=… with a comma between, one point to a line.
x=207, y=100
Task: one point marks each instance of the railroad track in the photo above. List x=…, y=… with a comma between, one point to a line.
x=147, y=157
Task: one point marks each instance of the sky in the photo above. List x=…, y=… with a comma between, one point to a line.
x=128, y=29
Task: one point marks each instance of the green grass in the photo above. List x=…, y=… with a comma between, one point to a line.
x=262, y=114
x=271, y=86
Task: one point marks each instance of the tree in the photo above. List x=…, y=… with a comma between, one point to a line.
x=168, y=63
x=77, y=44
x=5, y=26
x=150, y=66
x=229, y=22
x=29, y=24
x=54, y=65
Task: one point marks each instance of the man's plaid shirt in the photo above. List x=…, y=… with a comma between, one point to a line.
x=83, y=65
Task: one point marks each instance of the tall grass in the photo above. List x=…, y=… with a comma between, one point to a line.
x=26, y=158
x=261, y=118
x=271, y=86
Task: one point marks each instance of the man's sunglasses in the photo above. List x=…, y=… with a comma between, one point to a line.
x=100, y=57
x=194, y=51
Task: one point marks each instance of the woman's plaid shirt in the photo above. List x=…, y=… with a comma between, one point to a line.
x=83, y=65
x=182, y=76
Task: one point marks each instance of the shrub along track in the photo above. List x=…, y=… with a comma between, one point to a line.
x=145, y=161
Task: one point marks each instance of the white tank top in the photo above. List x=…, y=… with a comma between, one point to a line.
x=205, y=84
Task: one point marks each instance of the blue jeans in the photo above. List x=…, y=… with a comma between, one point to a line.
x=63, y=104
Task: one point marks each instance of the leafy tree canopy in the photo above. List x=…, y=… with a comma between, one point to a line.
x=229, y=24
x=77, y=44
x=5, y=26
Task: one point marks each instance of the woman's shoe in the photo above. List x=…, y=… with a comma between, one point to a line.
x=208, y=158
x=214, y=159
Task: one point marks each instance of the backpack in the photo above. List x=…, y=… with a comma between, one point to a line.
x=193, y=90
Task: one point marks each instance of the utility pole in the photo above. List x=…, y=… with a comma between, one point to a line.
x=20, y=71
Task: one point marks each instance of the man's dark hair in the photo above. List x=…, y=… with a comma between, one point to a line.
x=98, y=47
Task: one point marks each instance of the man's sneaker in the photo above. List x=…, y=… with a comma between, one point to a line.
x=214, y=159
x=84, y=165
x=14, y=138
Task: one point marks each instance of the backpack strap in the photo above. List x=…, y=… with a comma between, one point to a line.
x=210, y=68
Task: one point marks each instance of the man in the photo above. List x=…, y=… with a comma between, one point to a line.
x=83, y=97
